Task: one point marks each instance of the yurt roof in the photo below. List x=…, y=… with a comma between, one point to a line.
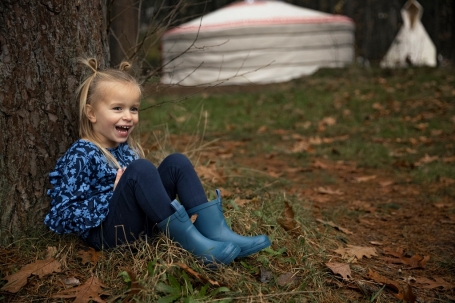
x=257, y=13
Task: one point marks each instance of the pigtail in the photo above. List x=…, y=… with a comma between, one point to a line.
x=82, y=91
x=125, y=66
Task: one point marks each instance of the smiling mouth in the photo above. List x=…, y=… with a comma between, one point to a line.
x=123, y=129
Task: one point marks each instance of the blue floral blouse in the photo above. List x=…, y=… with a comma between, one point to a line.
x=83, y=184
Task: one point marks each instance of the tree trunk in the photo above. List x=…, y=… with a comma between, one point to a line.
x=124, y=22
x=39, y=44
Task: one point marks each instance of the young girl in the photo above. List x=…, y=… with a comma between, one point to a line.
x=105, y=191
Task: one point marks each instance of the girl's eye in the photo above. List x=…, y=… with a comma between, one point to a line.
x=117, y=108
x=134, y=109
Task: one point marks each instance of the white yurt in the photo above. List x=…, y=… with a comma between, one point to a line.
x=412, y=45
x=255, y=43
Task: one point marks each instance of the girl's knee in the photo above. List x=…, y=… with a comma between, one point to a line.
x=142, y=167
x=177, y=159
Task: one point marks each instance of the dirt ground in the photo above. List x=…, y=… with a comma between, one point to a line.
x=413, y=236
x=412, y=232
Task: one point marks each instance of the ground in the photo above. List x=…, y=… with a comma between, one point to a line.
x=378, y=208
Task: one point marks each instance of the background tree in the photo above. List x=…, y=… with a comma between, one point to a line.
x=39, y=42
x=123, y=27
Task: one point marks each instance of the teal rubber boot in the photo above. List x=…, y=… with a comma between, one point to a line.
x=179, y=228
x=211, y=223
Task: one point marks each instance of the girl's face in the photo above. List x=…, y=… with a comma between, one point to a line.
x=115, y=114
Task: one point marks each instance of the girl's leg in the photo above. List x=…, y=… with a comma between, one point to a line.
x=139, y=202
x=180, y=179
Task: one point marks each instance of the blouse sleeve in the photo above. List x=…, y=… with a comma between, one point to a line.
x=79, y=202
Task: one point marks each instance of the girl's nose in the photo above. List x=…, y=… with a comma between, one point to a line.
x=127, y=116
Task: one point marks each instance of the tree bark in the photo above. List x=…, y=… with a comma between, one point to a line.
x=39, y=44
x=124, y=23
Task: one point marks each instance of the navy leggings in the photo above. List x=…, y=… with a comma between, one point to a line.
x=143, y=198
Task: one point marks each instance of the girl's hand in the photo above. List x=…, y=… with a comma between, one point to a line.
x=120, y=172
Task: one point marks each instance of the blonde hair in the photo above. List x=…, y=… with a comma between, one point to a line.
x=88, y=93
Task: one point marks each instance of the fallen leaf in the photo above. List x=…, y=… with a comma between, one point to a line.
x=447, y=181
x=51, y=252
x=328, y=191
x=434, y=283
x=90, y=290
x=386, y=183
x=330, y=223
x=356, y=251
x=436, y=132
x=342, y=269
x=286, y=278
x=362, y=205
x=193, y=218
x=448, y=159
x=262, y=129
x=319, y=164
x=287, y=218
x=197, y=275
x=427, y=159
x=38, y=268
x=416, y=261
x=421, y=126
x=89, y=256
x=408, y=295
x=394, y=286
x=301, y=146
x=211, y=173
x=364, y=178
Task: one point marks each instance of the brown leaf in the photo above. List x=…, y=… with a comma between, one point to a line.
x=435, y=283
x=51, y=252
x=211, y=173
x=364, y=179
x=427, y=159
x=89, y=256
x=39, y=268
x=193, y=218
x=319, y=164
x=342, y=269
x=362, y=205
x=328, y=191
x=448, y=159
x=301, y=146
x=416, y=261
x=356, y=251
x=262, y=129
x=242, y=202
x=90, y=290
x=287, y=218
x=197, y=275
x=408, y=295
x=394, y=286
x=330, y=223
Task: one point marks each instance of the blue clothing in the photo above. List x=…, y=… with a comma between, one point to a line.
x=84, y=202
x=143, y=198
x=83, y=183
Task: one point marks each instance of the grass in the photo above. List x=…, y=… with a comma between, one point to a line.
x=379, y=119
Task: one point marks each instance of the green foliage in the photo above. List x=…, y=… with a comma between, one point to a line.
x=181, y=288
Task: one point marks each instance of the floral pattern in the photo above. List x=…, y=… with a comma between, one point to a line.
x=83, y=183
